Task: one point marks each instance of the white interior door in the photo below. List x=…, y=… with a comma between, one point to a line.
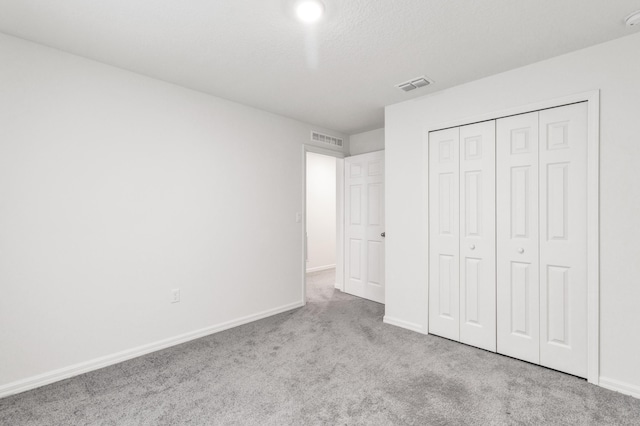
x=518, y=328
x=478, y=235
x=444, y=233
x=364, y=216
x=563, y=238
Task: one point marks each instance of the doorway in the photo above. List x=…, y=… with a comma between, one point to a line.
x=356, y=267
x=321, y=213
x=322, y=228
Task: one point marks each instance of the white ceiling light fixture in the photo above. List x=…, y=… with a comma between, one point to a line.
x=309, y=11
x=633, y=19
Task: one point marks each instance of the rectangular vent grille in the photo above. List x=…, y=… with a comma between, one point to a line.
x=415, y=83
x=331, y=140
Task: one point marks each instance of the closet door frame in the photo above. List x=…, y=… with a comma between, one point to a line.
x=593, y=206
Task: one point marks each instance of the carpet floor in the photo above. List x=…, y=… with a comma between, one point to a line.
x=331, y=362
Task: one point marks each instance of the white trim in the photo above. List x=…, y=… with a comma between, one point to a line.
x=593, y=237
x=622, y=387
x=404, y=324
x=105, y=361
x=317, y=150
x=339, y=224
x=593, y=206
x=365, y=154
x=321, y=268
x=339, y=229
x=323, y=151
x=425, y=230
x=589, y=96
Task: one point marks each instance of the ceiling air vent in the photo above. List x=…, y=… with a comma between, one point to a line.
x=331, y=140
x=415, y=83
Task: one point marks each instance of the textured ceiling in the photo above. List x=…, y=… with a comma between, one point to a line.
x=338, y=74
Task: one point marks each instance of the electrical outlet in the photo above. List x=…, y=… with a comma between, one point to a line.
x=175, y=295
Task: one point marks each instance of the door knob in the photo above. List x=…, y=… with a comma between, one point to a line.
x=383, y=234
x=520, y=250
x=472, y=246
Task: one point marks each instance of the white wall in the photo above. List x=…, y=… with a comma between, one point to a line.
x=116, y=188
x=614, y=68
x=370, y=141
x=321, y=212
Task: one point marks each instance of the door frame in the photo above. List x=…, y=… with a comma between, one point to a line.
x=339, y=156
x=593, y=206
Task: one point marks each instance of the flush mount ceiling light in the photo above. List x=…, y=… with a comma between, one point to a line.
x=633, y=19
x=309, y=11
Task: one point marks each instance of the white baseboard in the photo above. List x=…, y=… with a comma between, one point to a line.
x=404, y=324
x=321, y=268
x=97, y=363
x=618, y=386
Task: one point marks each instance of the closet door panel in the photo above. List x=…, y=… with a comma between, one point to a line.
x=444, y=233
x=477, y=235
x=517, y=265
x=563, y=238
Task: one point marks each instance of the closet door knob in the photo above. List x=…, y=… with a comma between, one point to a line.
x=472, y=246
x=520, y=250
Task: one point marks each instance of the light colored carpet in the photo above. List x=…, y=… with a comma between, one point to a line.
x=331, y=362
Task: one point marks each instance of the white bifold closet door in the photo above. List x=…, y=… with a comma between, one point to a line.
x=508, y=236
x=563, y=238
x=444, y=233
x=518, y=295
x=462, y=234
x=542, y=237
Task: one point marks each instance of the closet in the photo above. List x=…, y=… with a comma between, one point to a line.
x=508, y=236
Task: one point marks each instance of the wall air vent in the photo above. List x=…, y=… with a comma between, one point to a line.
x=414, y=83
x=331, y=140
